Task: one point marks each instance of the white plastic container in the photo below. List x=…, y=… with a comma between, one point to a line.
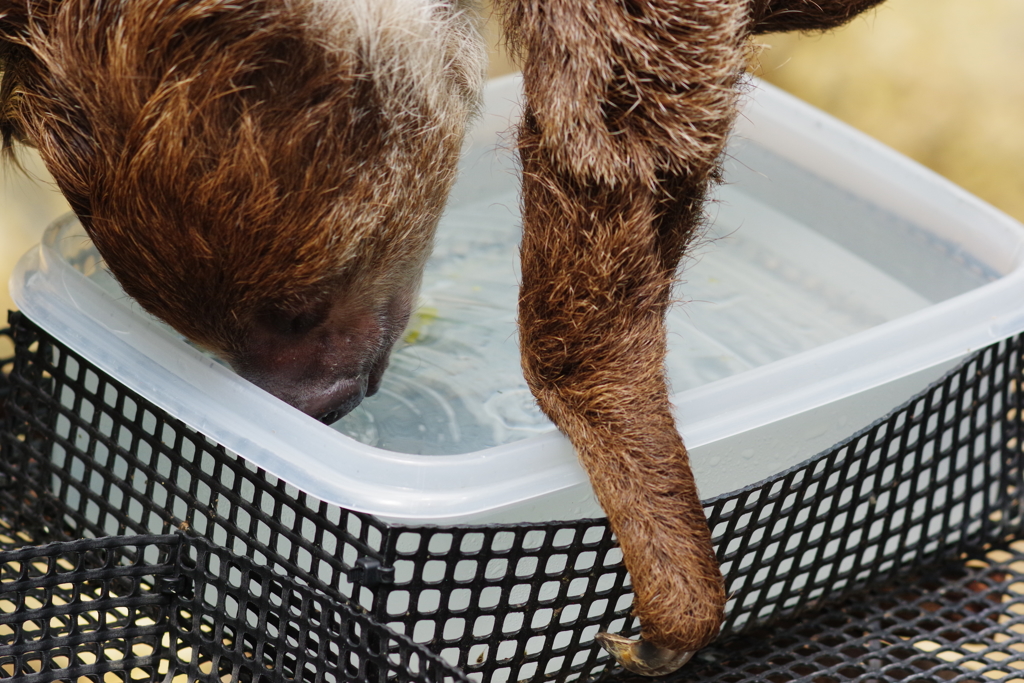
x=838, y=279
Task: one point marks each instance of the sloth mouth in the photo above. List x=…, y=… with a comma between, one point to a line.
x=338, y=401
x=324, y=366
x=346, y=394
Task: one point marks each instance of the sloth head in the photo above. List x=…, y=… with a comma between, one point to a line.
x=263, y=176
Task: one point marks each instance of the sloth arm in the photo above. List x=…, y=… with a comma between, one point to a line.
x=626, y=115
x=627, y=111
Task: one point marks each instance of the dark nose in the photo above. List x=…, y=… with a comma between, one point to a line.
x=336, y=402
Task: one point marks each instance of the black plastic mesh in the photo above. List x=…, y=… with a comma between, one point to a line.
x=960, y=621
x=936, y=476
x=240, y=621
x=6, y=364
x=177, y=607
x=6, y=354
x=91, y=606
x=87, y=458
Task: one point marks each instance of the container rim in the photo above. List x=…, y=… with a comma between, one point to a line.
x=448, y=488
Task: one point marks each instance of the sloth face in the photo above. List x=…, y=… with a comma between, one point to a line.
x=265, y=176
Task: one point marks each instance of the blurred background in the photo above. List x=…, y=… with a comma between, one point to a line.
x=936, y=79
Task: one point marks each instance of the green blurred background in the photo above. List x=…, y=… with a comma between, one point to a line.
x=936, y=79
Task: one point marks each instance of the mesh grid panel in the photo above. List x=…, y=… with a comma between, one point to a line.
x=940, y=474
x=240, y=621
x=6, y=363
x=514, y=603
x=960, y=621
x=177, y=608
x=87, y=458
x=91, y=606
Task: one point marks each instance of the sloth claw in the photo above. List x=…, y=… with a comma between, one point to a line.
x=641, y=657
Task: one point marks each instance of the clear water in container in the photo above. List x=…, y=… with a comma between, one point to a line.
x=777, y=273
x=788, y=263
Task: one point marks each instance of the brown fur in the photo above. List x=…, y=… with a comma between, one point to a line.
x=226, y=158
x=192, y=134
x=621, y=137
x=628, y=109
x=771, y=16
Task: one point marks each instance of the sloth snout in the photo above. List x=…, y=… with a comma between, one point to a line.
x=337, y=401
x=324, y=376
x=344, y=396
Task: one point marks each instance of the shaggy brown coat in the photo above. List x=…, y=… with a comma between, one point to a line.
x=224, y=155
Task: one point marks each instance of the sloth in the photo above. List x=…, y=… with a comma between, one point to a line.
x=266, y=177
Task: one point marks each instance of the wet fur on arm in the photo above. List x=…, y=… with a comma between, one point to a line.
x=628, y=106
